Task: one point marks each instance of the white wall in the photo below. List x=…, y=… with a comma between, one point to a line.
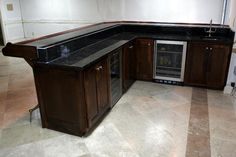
x=232, y=14
x=112, y=10
x=34, y=18
x=231, y=20
x=11, y=20
x=41, y=17
x=231, y=75
x=184, y=11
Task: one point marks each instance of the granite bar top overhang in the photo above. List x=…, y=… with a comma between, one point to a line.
x=74, y=33
x=85, y=46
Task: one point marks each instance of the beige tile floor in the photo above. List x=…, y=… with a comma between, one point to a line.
x=150, y=120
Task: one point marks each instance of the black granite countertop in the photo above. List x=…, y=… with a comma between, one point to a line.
x=87, y=55
x=50, y=41
x=60, y=37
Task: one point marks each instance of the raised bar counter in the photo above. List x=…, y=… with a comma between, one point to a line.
x=72, y=68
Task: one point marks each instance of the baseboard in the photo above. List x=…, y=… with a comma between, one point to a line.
x=228, y=89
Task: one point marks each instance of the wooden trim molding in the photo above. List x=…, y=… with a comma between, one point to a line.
x=26, y=52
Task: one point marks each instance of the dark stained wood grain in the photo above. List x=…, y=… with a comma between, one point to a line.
x=144, y=55
x=73, y=101
x=207, y=64
x=128, y=66
x=61, y=98
x=196, y=63
x=97, y=91
x=217, y=68
x=26, y=52
x=102, y=77
x=90, y=84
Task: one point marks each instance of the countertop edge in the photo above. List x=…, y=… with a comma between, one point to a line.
x=106, y=25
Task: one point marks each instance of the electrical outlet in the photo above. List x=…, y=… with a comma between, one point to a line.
x=235, y=70
x=9, y=7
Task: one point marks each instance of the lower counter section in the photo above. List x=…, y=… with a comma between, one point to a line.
x=61, y=99
x=73, y=101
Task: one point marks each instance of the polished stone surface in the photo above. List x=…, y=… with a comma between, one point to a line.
x=87, y=55
x=151, y=120
x=195, y=29
x=198, y=144
x=222, y=118
x=102, y=45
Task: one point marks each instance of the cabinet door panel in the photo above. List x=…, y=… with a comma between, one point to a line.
x=132, y=57
x=59, y=98
x=91, y=94
x=144, y=52
x=128, y=66
x=102, y=77
x=196, y=63
x=217, y=66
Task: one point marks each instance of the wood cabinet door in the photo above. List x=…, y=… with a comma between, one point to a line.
x=218, y=62
x=90, y=87
x=128, y=66
x=196, y=63
x=102, y=80
x=144, y=54
x=97, y=96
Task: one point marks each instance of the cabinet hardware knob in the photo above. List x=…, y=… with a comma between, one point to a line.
x=131, y=47
x=211, y=49
x=99, y=68
x=207, y=48
x=149, y=44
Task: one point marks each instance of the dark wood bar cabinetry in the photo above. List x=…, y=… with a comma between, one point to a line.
x=115, y=61
x=61, y=99
x=128, y=65
x=207, y=64
x=81, y=74
x=97, y=91
x=144, y=59
x=72, y=101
